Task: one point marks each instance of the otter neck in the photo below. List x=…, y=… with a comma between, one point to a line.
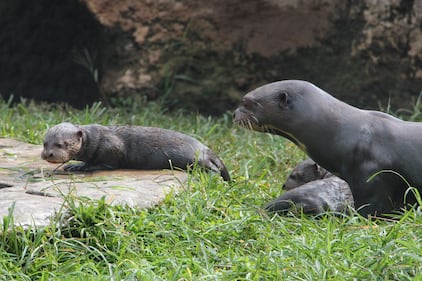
x=90, y=144
x=321, y=128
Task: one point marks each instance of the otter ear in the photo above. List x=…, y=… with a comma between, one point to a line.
x=79, y=134
x=284, y=100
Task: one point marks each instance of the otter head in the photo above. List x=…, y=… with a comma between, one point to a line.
x=305, y=172
x=273, y=108
x=61, y=143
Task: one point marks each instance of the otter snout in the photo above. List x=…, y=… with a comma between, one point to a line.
x=235, y=115
x=239, y=118
x=48, y=156
x=44, y=155
x=240, y=115
x=55, y=153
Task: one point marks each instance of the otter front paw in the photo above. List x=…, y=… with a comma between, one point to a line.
x=76, y=167
x=84, y=167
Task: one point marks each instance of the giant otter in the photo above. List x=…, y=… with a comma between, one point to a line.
x=351, y=143
x=304, y=172
x=312, y=190
x=133, y=147
x=315, y=197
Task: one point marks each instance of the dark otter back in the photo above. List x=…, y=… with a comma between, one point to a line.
x=157, y=148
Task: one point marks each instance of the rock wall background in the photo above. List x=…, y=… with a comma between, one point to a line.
x=204, y=55
x=38, y=43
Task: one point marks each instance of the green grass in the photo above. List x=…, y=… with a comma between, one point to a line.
x=212, y=231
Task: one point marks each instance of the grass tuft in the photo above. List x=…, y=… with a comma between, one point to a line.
x=212, y=231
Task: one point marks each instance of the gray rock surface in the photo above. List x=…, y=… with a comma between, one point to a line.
x=30, y=190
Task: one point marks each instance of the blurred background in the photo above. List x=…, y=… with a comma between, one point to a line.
x=205, y=55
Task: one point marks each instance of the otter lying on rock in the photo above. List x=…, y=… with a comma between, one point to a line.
x=351, y=143
x=312, y=190
x=131, y=147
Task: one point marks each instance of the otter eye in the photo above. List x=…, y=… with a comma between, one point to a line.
x=45, y=144
x=58, y=145
x=247, y=103
x=284, y=100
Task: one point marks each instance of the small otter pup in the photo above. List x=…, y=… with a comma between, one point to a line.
x=313, y=190
x=315, y=197
x=304, y=172
x=131, y=147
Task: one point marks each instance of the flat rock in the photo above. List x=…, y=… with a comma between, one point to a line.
x=33, y=194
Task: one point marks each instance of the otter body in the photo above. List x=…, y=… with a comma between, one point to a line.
x=313, y=190
x=131, y=147
x=315, y=197
x=351, y=143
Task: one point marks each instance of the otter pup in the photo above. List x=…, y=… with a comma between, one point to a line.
x=351, y=143
x=131, y=147
x=304, y=172
x=312, y=190
x=315, y=197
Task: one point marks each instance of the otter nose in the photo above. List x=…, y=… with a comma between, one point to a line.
x=46, y=155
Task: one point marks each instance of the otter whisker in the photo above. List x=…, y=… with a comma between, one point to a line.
x=58, y=167
x=250, y=125
x=254, y=119
x=249, y=122
x=242, y=123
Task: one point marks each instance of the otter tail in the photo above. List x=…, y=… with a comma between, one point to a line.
x=212, y=162
x=222, y=168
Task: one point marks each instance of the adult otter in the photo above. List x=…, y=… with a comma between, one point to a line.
x=132, y=147
x=312, y=190
x=349, y=142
